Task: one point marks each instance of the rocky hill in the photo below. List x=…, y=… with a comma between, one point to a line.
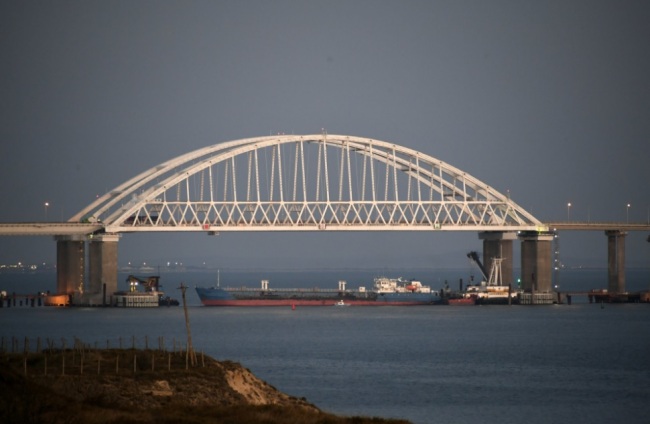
x=144, y=386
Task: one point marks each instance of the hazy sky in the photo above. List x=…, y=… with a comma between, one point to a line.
x=550, y=100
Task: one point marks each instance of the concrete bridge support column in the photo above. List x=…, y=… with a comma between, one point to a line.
x=616, y=261
x=102, y=269
x=70, y=263
x=536, y=248
x=498, y=244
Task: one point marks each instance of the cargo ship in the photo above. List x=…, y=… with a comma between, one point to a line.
x=386, y=291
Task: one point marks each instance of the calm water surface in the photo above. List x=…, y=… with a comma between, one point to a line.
x=487, y=364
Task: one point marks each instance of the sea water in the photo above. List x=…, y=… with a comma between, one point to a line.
x=428, y=364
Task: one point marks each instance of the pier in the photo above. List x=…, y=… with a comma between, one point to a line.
x=32, y=300
x=604, y=296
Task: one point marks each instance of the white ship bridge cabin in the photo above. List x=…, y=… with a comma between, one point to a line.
x=399, y=285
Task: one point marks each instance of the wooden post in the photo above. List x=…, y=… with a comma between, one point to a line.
x=190, y=356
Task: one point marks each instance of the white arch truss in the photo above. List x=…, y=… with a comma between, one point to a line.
x=305, y=182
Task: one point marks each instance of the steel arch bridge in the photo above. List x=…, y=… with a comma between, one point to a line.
x=305, y=183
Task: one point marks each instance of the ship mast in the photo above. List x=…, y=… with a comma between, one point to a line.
x=495, y=272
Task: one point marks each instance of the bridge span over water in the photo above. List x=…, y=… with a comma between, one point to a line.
x=318, y=182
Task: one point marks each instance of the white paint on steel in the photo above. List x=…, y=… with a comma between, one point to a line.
x=455, y=201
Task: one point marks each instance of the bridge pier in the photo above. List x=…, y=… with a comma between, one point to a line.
x=536, y=261
x=102, y=269
x=498, y=244
x=616, y=261
x=70, y=263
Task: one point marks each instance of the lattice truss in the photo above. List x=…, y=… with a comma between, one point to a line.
x=308, y=182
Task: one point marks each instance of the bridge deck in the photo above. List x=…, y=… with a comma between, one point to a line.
x=47, y=228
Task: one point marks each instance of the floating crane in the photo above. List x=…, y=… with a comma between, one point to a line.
x=151, y=284
x=491, y=289
x=149, y=296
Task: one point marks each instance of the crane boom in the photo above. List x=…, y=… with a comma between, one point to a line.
x=474, y=257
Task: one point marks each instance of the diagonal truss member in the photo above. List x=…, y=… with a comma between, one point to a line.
x=306, y=182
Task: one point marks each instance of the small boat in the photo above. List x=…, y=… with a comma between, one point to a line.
x=341, y=303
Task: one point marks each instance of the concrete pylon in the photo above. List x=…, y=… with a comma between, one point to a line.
x=102, y=269
x=498, y=244
x=616, y=261
x=536, y=264
x=70, y=264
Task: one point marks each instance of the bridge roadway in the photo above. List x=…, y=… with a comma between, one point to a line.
x=79, y=229
x=595, y=226
x=48, y=229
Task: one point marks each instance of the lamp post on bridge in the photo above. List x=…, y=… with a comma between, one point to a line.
x=46, y=206
x=627, y=213
x=568, y=211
